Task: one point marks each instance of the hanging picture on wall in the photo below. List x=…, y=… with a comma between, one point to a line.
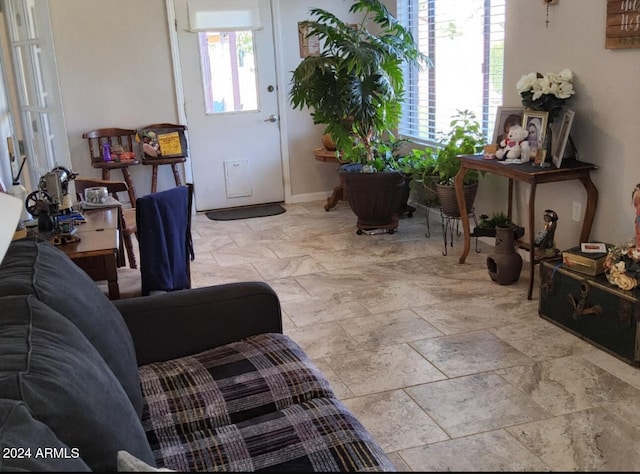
x=309, y=44
x=563, y=137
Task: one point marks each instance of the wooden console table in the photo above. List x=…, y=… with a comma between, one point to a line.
x=527, y=173
x=339, y=192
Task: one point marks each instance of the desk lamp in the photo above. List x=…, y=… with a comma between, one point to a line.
x=10, y=210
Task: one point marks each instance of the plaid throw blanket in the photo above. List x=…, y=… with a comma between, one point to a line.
x=257, y=404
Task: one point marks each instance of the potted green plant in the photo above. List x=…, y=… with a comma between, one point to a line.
x=487, y=225
x=418, y=167
x=464, y=137
x=355, y=86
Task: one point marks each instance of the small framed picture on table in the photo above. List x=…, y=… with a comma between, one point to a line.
x=563, y=137
x=535, y=121
x=505, y=118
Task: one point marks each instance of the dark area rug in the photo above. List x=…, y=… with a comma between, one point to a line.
x=263, y=210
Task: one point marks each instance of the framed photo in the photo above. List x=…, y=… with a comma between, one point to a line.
x=563, y=137
x=505, y=118
x=535, y=122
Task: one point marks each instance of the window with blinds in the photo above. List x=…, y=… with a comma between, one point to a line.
x=465, y=41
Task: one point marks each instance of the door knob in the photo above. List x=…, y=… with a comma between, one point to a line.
x=272, y=118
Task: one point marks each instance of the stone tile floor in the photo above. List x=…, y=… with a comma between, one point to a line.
x=448, y=370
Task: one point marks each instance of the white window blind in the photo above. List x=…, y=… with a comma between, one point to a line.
x=223, y=15
x=465, y=41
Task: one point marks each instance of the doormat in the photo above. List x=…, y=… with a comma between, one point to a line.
x=263, y=210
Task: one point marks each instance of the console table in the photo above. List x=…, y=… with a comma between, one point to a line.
x=533, y=175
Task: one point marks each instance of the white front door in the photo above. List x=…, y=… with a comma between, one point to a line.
x=231, y=106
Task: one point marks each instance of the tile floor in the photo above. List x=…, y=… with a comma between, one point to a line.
x=448, y=370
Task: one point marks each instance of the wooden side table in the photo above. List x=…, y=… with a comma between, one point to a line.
x=533, y=175
x=339, y=192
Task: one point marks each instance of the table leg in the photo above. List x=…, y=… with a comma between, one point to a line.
x=464, y=216
x=112, y=276
x=590, y=211
x=510, y=202
x=532, y=255
x=339, y=194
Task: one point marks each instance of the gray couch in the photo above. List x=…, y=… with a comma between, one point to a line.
x=192, y=380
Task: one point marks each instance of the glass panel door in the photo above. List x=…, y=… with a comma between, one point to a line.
x=36, y=79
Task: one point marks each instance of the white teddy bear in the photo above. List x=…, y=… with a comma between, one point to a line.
x=515, y=145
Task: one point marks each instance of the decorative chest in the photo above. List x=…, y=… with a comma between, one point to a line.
x=592, y=309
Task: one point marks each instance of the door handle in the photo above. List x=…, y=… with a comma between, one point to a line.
x=272, y=118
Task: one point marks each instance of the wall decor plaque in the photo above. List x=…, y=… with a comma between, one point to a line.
x=623, y=24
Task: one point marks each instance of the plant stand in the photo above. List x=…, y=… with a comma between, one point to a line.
x=390, y=228
x=451, y=225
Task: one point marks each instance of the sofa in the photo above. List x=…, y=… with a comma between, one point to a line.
x=192, y=380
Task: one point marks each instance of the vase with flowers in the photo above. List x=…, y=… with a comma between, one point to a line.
x=548, y=93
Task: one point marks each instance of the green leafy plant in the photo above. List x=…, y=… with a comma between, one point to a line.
x=496, y=219
x=465, y=137
x=417, y=163
x=355, y=85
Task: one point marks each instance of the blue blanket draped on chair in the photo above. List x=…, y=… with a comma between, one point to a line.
x=164, y=236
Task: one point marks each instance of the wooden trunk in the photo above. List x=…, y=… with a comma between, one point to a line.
x=593, y=309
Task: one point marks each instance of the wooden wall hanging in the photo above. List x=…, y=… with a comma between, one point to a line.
x=623, y=24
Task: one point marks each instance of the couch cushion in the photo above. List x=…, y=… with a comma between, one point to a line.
x=37, y=268
x=47, y=363
x=229, y=384
x=27, y=444
x=315, y=435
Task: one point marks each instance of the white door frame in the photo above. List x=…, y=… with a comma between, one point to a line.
x=280, y=77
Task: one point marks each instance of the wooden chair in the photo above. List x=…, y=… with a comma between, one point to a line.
x=154, y=162
x=122, y=137
x=127, y=216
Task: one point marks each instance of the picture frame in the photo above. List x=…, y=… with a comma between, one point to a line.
x=563, y=137
x=505, y=116
x=535, y=121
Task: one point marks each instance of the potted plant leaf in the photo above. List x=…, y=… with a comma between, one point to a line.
x=487, y=225
x=355, y=86
x=464, y=137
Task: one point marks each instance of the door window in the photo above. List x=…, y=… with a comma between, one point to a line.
x=228, y=71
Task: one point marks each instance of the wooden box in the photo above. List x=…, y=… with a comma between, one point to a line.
x=592, y=309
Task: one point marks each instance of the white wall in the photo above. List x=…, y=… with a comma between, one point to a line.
x=607, y=103
x=115, y=70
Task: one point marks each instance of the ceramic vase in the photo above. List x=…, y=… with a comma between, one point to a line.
x=505, y=263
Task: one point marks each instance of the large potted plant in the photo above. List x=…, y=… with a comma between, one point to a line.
x=464, y=137
x=355, y=87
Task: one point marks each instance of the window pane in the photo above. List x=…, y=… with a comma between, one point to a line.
x=464, y=39
x=228, y=71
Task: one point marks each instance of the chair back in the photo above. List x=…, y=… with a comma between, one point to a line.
x=152, y=148
x=123, y=137
x=163, y=220
x=113, y=187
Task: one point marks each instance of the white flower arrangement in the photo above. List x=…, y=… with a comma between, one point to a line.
x=546, y=92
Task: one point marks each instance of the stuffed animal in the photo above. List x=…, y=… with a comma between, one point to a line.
x=515, y=145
